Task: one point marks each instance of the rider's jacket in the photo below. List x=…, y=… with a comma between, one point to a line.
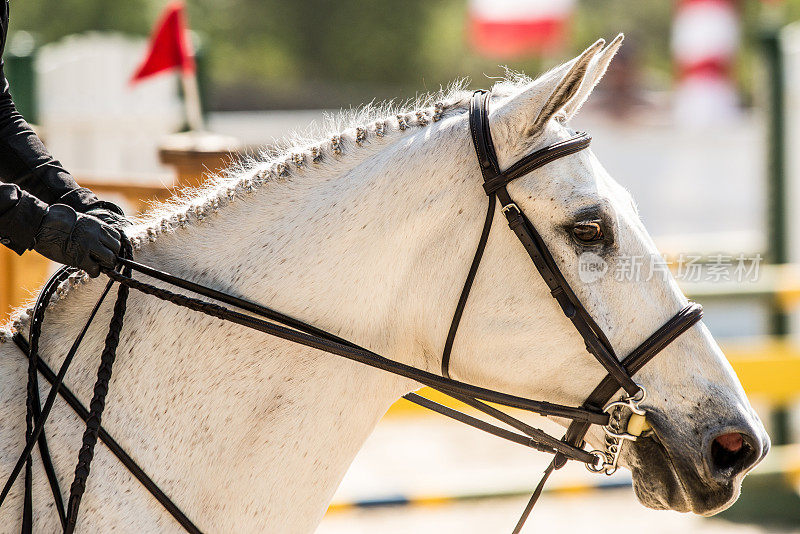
x=30, y=179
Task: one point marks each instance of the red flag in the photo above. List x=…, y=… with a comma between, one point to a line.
x=170, y=47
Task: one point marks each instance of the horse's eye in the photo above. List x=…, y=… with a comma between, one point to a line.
x=588, y=232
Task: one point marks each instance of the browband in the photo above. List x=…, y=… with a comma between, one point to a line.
x=538, y=159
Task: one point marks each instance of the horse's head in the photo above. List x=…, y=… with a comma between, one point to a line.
x=705, y=434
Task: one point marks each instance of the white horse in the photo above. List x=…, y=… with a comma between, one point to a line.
x=369, y=235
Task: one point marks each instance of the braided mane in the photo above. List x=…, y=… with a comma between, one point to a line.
x=293, y=156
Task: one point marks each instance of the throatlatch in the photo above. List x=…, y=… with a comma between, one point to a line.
x=597, y=409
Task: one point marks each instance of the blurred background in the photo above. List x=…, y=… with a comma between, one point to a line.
x=698, y=115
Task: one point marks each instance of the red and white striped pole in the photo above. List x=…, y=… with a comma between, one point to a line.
x=514, y=28
x=705, y=40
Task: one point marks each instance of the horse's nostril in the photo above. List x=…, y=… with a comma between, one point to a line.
x=731, y=442
x=732, y=453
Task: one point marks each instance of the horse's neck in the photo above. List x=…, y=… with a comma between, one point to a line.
x=247, y=432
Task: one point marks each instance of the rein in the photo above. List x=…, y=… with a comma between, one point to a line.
x=595, y=410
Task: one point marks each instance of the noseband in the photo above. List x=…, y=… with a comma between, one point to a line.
x=597, y=409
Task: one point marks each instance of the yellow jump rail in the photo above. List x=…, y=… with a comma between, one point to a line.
x=769, y=370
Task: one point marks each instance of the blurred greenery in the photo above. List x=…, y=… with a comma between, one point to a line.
x=315, y=53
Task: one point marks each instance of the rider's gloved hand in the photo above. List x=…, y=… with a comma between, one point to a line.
x=76, y=239
x=109, y=213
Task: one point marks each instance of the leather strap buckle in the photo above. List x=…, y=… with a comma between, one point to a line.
x=508, y=207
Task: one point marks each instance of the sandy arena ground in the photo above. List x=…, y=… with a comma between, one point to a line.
x=611, y=511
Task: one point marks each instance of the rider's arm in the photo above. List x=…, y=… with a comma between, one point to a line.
x=32, y=179
x=41, y=205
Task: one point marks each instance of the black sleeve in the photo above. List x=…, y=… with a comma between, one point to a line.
x=30, y=178
x=25, y=161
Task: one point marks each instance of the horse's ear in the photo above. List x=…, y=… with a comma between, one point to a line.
x=561, y=86
x=527, y=112
x=597, y=69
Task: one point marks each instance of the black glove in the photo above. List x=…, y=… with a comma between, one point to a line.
x=109, y=213
x=78, y=240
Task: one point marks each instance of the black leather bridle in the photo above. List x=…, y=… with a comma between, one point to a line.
x=597, y=344
x=595, y=410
